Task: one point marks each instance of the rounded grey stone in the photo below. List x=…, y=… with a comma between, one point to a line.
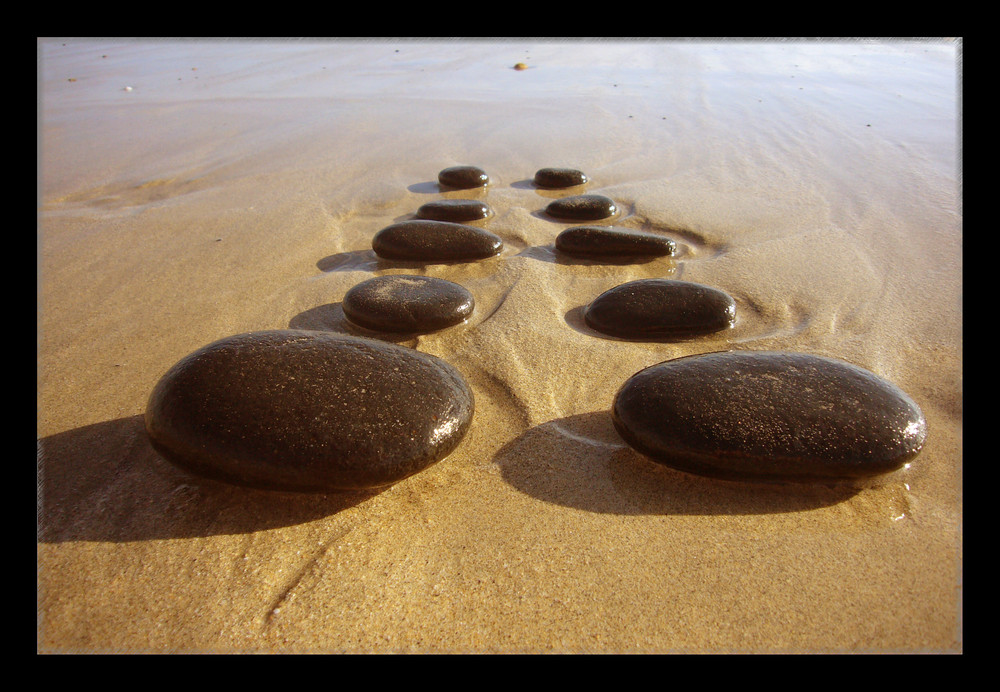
x=559, y=177
x=407, y=303
x=769, y=416
x=463, y=177
x=435, y=241
x=608, y=241
x=660, y=309
x=308, y=411
x=582, y=208
x=454, y=210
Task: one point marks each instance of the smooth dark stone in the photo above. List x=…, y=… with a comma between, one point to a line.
x=407, y=303
x=454, y=210
x=308, y=411
x=463, y=177
x=606, y=241
x=435, y=241
x=660, y=308
x=582, y=208
x=770, y=416
x=559, y=177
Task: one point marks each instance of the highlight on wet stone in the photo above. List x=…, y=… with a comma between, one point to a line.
x=559, y=177
x=769, y=416
x=435, y=241
x=408, y=303
x=454, y=210
x=582, y=208
x=308, y=411
x=660, y=309
x=610, y=241
x=463, y=177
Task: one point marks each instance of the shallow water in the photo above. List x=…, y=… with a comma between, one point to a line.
x=237, y=187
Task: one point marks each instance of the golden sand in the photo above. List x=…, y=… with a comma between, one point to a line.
x=194, y=190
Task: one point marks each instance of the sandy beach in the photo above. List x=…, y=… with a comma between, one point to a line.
x=193, y=190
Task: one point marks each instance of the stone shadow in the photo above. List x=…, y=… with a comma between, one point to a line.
x=106, y=483
x=581, y=462
x=331, y=318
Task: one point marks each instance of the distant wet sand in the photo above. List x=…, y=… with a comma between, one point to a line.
x=237, y=186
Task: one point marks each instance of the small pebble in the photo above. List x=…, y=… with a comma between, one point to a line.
x=442, y=241
x=520, y=66
x=559, y=177
x=463, y=177
x=408, y=303
x=308, y=411
x=582, y=208
x=456, y=210
x=607, y=241
x=769, y=416
x=660, y=309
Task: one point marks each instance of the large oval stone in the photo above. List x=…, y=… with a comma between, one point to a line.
x=308, y=411
x=582, y=208
x=454, y=210
x=559, y=177
x=463, y=177
x=407, y=303
x=608, y=241
x=435, y=241
x=660, y=309
x=769, y=416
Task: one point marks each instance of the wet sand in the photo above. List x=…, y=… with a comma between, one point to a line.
x=236, y=186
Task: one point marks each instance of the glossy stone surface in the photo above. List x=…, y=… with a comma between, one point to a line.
x=660, y=309
x=463, y=177
x=435, y=241
x=769, y=416
x=582, y=208
x=454, y=210
x=407, y=303
x=308, y=411
x=608, y=241
x=559, y=177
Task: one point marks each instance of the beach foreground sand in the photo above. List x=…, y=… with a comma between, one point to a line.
x=190, y=191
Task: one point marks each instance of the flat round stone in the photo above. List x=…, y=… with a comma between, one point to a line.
x=407, y=303
x=455, y=210
x=435, y=241
x=582, y=208
x=463, y=177
x=769, y=416
x=660, y=308
x=308, y=411
x=559, y=177
x=608, y=241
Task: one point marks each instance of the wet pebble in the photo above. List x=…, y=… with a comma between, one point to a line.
x=660, y=309
x=463, y=177
x=582, y=208
x=435, y=241
x=308, y=411
x=454, y=210
x=559, y=177
x=607, y=241
x=408, y=303
x=769, y=416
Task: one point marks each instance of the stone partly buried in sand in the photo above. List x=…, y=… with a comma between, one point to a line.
x=660, y=309
x=582, y=208
x=559, y=177
x=769, y=416
x=607, y=241
x=407, y=303
x=463, y=177
x=435, y=241
x=454, y=210
x=308, y=411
